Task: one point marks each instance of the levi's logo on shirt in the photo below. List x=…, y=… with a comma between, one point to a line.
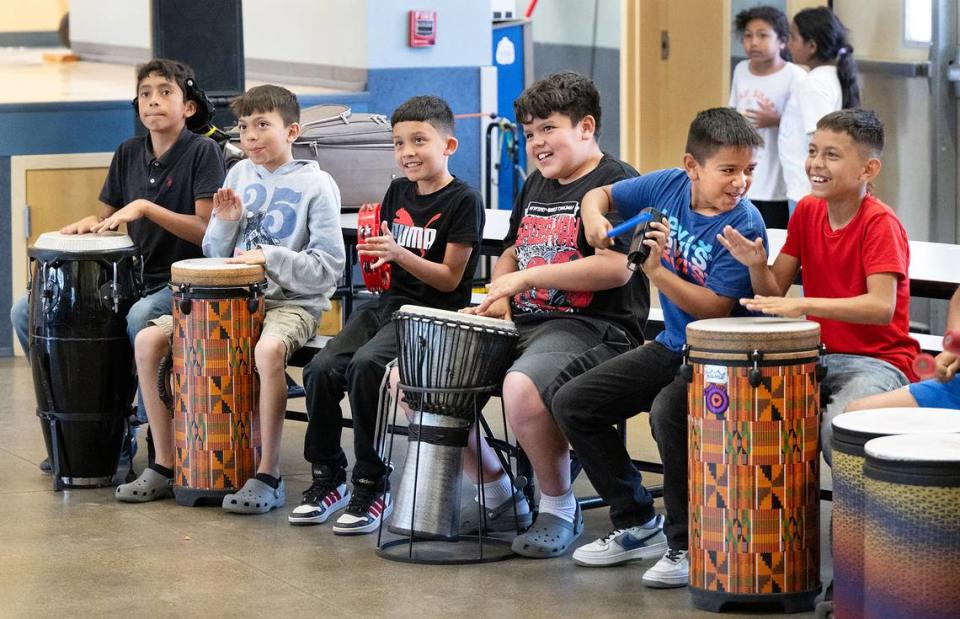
x=409, y=235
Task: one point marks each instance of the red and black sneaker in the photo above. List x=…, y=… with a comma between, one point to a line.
x=370, y=502
x=327, y=495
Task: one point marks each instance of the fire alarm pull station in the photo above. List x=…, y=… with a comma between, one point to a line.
x=423, y=28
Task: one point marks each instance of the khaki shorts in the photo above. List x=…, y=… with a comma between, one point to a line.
x=291, y=324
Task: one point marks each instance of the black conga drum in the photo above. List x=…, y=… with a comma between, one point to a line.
x=84, y=376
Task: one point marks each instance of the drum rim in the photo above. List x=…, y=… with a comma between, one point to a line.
x=111, y=242
x=926, y=471
x=470, y=321
x=852, y=440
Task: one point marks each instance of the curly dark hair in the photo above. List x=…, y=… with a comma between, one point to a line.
x=568, y=93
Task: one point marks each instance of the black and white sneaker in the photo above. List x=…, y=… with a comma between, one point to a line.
x=370, y=502
x=327, y=495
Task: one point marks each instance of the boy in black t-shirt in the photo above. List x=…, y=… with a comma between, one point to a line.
x=432, y=224
x=575, y=306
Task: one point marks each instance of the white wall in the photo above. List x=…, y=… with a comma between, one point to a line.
x=570, y=22
x=327, y=32
x=122, y=23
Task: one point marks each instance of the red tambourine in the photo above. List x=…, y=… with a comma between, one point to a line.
x=368, y=224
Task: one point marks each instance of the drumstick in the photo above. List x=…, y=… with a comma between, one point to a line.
x=629, y=225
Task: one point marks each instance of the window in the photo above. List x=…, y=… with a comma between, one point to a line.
x=918, y=22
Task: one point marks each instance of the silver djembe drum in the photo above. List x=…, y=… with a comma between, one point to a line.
x=447, y=361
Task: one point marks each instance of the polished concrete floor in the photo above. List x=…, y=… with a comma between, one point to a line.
x=80, y=553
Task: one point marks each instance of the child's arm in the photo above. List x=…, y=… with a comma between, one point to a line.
x=695, y=300
x=947, y=362
x=87, y=223
x=765, y=280
x=876, y=307
x=444, y=276
x=220, y=239
x=595, y=205
x=498, y=307
x=188, y=227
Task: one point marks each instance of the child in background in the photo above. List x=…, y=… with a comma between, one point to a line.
x=819, y=40
x=760, y=89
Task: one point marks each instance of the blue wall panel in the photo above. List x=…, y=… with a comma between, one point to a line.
x=458, y=86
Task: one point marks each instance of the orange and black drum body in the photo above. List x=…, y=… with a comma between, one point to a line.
x=218, y=311
x=754, y=454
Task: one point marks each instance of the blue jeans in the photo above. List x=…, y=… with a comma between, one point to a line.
x=152, y=306
x=849, y=378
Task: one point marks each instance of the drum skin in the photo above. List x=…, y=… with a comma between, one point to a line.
x=84, y=375
x=754, y=462
x=215, y=390
x=911, y=550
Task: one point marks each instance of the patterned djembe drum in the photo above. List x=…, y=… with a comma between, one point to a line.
x=851, y=431
x=753, y=432
x=218, y=315
x=911, y=550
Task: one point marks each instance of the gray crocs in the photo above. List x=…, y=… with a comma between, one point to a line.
x=256, y=497
x=499, y=519
x=150, y=486
x=550, y=536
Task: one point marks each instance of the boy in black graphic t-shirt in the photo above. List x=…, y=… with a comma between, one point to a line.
x=575, y=306
x=432, y=224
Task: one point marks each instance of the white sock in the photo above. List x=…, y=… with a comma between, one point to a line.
x=497, y=492
x=563, y=506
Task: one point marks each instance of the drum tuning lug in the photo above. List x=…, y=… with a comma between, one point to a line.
x=184, y=306
x=520, y=481
x=686, y=372
x=754, y=378
x=252, y=304
x=821, y=372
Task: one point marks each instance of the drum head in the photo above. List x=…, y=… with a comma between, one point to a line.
x=83, y=243
x=766, y=334
x=868, y=424
x=215, y=272
x=916, y=448
x=467, y=320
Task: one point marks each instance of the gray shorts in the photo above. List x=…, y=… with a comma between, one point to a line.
x=291, y=324
x=552, y=351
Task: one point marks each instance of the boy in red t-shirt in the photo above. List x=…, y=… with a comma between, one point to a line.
x=854, y=255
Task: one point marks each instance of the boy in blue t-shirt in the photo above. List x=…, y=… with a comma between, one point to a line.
x=697, y=278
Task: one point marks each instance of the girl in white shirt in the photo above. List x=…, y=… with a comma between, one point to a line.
x=760, y=88
x=819, y=40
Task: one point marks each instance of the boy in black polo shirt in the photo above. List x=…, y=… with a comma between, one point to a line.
x=161, y=187
x=432, y=270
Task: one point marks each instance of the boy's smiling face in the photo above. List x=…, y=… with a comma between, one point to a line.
x=560, y=149
x=160, y=104
x=266, y=139
x=837, y=166
x=421, y=151
x=722, y=180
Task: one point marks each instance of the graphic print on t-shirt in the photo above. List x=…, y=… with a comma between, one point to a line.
x=689, y=254
x=270, y=225
x=414, y=237
x=548, y=235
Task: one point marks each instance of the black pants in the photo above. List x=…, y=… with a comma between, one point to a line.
x=352, y=362
x=587, y=408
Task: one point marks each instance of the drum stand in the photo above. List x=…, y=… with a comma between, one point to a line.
x=433, y=551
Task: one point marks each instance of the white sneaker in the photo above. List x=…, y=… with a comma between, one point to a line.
x=673, y=570
x=624, y=545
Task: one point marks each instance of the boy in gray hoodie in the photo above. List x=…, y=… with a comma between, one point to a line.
x=283, y=214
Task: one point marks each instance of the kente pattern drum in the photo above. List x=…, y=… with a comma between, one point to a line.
x=753, y=433
x=218, y=311
x=851, y=431
x=84, y=376
x=911, y=550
